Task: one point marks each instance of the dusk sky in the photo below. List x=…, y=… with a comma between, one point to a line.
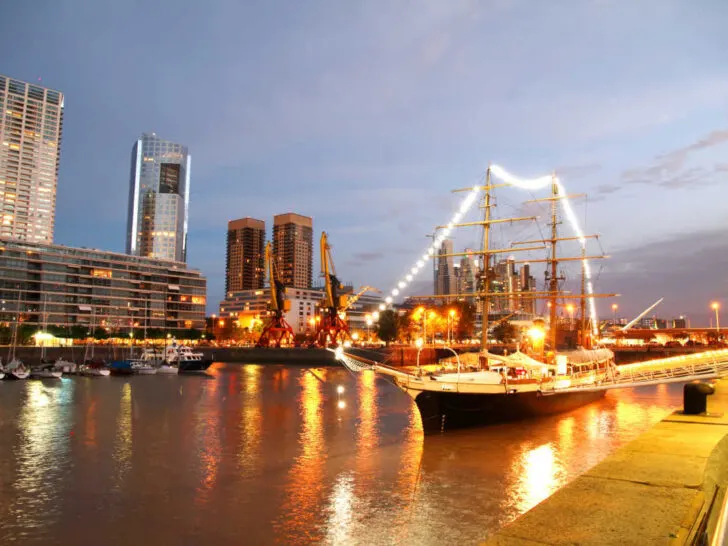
x=365, y=115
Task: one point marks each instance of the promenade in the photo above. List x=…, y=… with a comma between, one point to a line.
x=658, y=489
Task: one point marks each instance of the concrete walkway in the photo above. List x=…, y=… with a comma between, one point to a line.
x=655, y=490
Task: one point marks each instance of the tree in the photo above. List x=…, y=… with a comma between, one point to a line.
x=100, y=333
x=388, y=326
x=79, y=331
x=465, y=325
x=505, y=332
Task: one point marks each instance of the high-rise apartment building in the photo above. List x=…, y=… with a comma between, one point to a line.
x=245, y=259
x=293, y=248
x=31, y=121
x=159, y=198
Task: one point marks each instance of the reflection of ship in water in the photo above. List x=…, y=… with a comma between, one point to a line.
x=539, y=378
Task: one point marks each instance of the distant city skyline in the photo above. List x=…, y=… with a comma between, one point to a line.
x=365, y=118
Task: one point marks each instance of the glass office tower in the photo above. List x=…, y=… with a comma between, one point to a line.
x=159, y=196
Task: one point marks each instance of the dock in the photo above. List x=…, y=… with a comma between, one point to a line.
x=666, y=487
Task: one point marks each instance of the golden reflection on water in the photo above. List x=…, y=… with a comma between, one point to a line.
x=90, y=431
x=208, y=437
x=539, y=475
x=304, y=486
x=251, y=420
x=124, y=436
x=45, y=433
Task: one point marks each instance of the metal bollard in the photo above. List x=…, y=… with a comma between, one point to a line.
x=695, y=398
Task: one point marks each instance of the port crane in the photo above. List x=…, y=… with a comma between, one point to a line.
x=353, y=299
x=332, y=327
x=277, y=329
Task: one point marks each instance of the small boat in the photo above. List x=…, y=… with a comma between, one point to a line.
x=16, y=370
x=65, y=366
x=44, y=370
x=94, y=368
x=167, y=369
x=187, y=360
x=141, y=367
x=120, y=367
x=2, y=370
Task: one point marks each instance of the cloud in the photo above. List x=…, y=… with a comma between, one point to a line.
x=606, y=189
x=672, y=169
x=689, y=270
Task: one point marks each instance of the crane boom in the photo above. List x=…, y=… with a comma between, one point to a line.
x=332, y=328
x=353, y=299
x=642, y=314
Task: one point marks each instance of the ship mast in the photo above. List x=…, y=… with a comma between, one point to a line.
x=554, y=277
x=485, y=274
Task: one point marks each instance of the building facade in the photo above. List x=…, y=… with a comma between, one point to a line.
x=65, y=286
x=159, y=197
x=293, y=249
x=247, y=307
x=31, y=122
x=245, y=258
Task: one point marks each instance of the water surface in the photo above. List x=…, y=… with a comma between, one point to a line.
x=267, y=454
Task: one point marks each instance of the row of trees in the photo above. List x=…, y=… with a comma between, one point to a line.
x=440, y=320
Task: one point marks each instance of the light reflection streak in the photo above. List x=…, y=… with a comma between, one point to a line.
x=539, y=474
x=46, y=428
x=90, y=431
x=124, y=437
x=303, y=490
x=208, y=435
x=251, y=423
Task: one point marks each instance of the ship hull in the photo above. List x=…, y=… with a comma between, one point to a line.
x=442, y=411
x=194, y=366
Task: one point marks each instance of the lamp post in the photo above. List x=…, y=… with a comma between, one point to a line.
x=614, y=314
x=716, y=306
x=570, y=309
x=419, y=344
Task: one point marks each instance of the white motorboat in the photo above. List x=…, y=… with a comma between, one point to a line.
x=142, y=368
x=167, y=369
x=186, y=359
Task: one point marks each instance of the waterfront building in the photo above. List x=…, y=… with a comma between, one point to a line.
x=468, y=268
x=66, y=286
x=293, y=249
x=159, y=198
x=510, y=281
x=246, y=308
x=31, y=122
x=245, y=258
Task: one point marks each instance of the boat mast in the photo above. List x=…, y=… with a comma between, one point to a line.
x=485, y=275
x=583, y=297
x=554, y=278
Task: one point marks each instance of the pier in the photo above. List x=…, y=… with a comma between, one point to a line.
x=666, y=487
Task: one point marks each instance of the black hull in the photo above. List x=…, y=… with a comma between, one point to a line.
x=442, y=411
x=194, y=366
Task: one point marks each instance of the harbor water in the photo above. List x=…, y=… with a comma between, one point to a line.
x=275, y=454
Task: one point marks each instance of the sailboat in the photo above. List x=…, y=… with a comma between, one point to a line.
x=534, y=380
x=44, y=369
x=15, y=369
x=90, y=366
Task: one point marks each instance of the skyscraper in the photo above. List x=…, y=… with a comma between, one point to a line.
x=159, y=198
x=31, y=121
x=445, y=278
x=293, y=248
x=245, y=260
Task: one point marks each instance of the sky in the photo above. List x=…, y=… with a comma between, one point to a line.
x=365, y=115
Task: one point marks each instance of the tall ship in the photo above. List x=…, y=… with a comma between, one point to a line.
x=555, y=367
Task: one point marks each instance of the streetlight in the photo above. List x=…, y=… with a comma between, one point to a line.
x=614, y=314
x=418, y=344
x=715, y=306
x=432, y=316
x=570, y=309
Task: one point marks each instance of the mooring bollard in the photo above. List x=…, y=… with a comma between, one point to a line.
x=695, y=398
